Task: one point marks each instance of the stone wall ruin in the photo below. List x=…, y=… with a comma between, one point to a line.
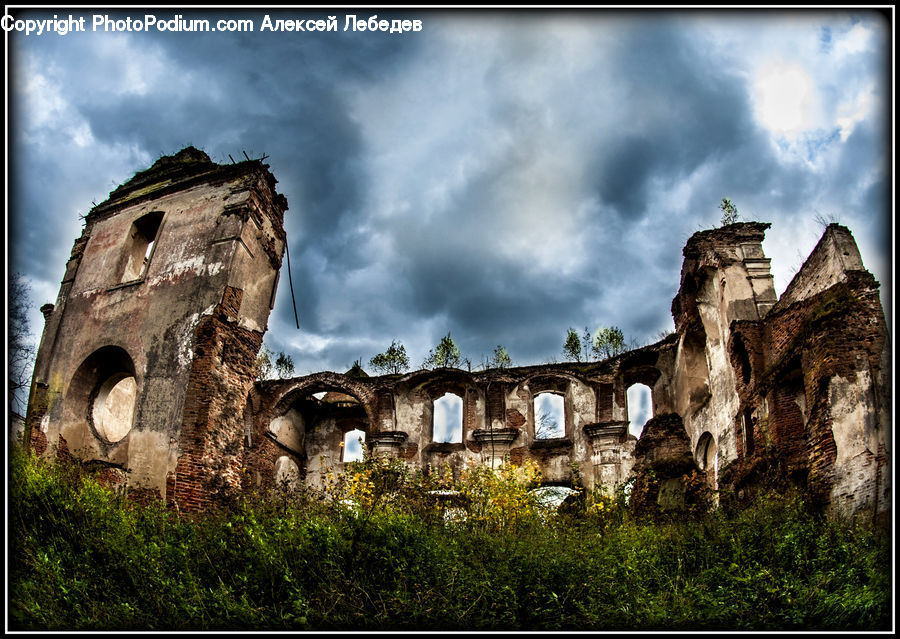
x=146, y=367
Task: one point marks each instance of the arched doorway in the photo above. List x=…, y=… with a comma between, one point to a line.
x=320, y=426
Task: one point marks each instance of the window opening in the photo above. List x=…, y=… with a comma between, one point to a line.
x=639, y=405
x=142, y=239
x=353, y=445
x=743, y=359
x=448, y=419
x=748, y=431
x=113, y=407
x=549, y=416
x=707, y=453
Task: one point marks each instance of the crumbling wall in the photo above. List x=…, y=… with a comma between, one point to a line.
x=167, y=294
x=812, y=379
x=498, y=420
x=154, y=267
x=210, y=453
x=663, y=464
x=835, y=255
x=725, y=279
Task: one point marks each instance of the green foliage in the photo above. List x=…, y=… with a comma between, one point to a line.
x=264, y=363
x=394, y=360
x=499, y=359
x=608, y=341
x=284, y=365
x=270, y=365
x=445, y=355
x=356, y=370
x=729, y=212
x=572, y=345
x=83, y=558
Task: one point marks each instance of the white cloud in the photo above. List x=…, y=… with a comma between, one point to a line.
x=855, y=110
x=497, y=147
x=858, y=39
x=785, y=98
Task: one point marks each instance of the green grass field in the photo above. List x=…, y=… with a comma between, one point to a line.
x=81, y=557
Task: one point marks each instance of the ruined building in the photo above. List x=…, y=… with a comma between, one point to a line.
x=146, y=367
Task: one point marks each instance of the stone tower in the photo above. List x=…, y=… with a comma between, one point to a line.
x=725, y=277
x=146, y=359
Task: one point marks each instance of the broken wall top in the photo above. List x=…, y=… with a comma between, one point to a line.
x=177, y=172
x=721, y=249
x=715, y=247
x=835, y=255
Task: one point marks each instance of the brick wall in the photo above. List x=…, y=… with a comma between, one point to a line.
x=210, y=464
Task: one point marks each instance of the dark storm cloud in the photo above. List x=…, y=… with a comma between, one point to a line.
x=698, y=112
x=283, y=99
x=499, y=176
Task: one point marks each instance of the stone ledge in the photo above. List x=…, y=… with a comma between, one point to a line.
x=616, y=429
x=554, y=442
x=497, y=435
x=444, y=447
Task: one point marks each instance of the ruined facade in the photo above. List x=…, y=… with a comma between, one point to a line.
x=146, y=367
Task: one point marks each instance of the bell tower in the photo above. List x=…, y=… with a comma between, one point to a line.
x=147, y=356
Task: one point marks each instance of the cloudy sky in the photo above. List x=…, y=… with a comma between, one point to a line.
x=501, y=176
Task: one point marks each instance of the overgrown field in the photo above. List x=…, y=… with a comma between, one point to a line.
x=379, y=550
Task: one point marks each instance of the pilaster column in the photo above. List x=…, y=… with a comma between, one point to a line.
x=495, y=444
x=386, y=443
x=606, y=443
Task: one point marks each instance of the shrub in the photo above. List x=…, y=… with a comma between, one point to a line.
x=84, y=558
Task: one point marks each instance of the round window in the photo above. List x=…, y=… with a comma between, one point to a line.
x=113, y=408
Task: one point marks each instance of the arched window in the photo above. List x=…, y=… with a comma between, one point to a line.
x=639, y=402
x=141, y=241
x=706, y=454
x=320, y=424
x=353, y=445
x=549, y=416
x=103, y=395
x=448, y=419
x=113, y=408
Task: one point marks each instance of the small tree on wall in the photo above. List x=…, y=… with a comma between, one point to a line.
x=587, y=344
x=608, y=341
x=500, y=358
x=394, y=360
x=445, y=355
x=271, y=365
x=284, y=365
x=729, y=212
x=572, y=345
x=264, y=363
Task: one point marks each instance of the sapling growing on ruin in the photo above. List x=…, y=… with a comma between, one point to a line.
x=284, y=365
x=445, y=355
x=572, y=345
x=392, y=361
x=729, y=212
x=608, y=341
x=271, y=365
x=500, y=358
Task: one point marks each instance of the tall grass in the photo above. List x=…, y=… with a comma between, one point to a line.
x=83, y=558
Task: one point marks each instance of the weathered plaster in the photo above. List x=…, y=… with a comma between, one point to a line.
x=804, y=378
